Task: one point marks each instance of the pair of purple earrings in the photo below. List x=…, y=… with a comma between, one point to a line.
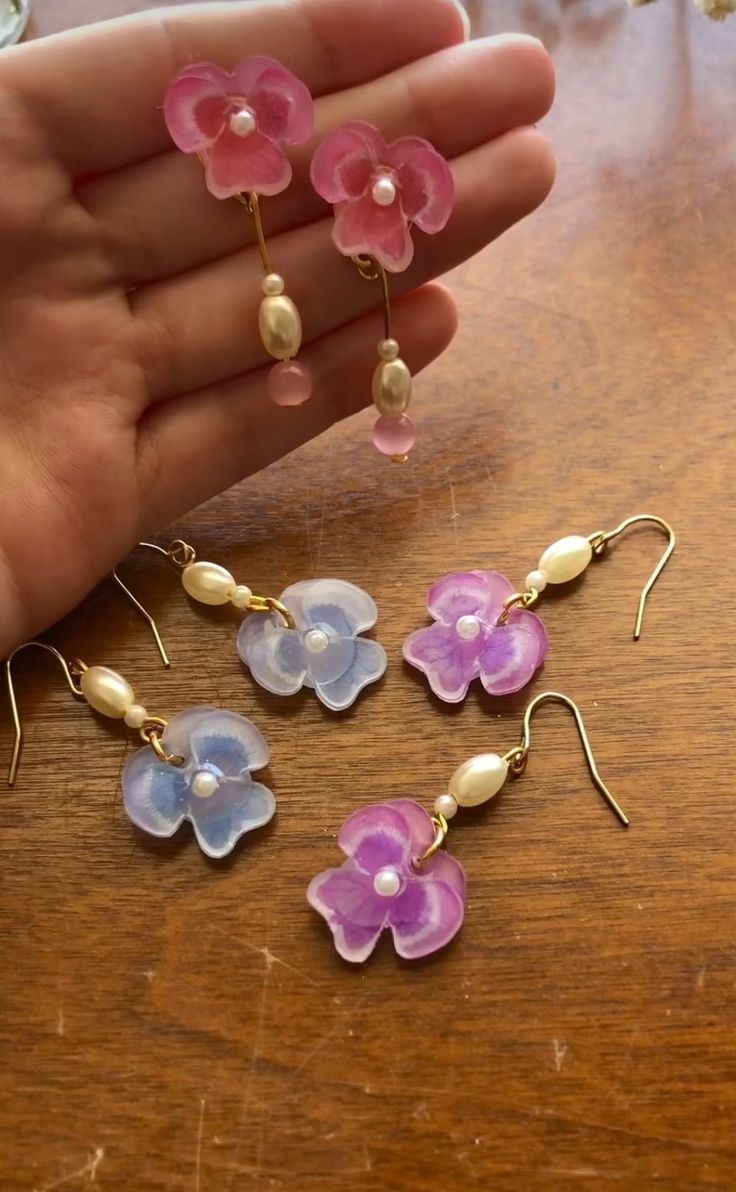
x=239, y=124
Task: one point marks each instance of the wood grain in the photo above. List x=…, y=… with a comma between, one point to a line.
x=166, y=1023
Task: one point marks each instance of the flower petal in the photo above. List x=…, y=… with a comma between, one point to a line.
x=368, y=664
x=224, y=739
x=343, y=606
x=534, y=625
x=363, y=227
x=509, y=658
x=274, y=655
x=418, y=821
x=425, y=179
x=468, y=593
x=195, y=107
x=344, y=161
x=238, y=806
x=355, y=914
x=282, y=103
x=449, y=663
x=376, y=836
x=236, y=164
x=425, y=917
x=154, y=794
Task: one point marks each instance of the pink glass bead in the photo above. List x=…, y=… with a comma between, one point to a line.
x=289, y=383
x=394, y=436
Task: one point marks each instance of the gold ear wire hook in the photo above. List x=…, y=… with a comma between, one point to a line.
x=77, y=691
x=140, y=608
x=372, y=270
x=517, y=756
x=599, y=541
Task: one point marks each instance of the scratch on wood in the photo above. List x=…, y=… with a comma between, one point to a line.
x=268, y=956
x=60, y=1020
x=454, y=515
x=248, y=1093
x=560, y=1051
x=700, y=983
x=200, y=1130
x=89, y=1168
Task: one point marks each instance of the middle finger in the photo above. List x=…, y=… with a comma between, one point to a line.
x=158, y=219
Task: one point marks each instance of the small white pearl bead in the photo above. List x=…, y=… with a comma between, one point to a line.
x=388, y=349
x=241, y=597
x=136, y=716
x=467, y=627
x=445, y=805
x=204, y=784
x=536, y=579
x=273, y=285
x=387, y=882
x=316, y=641
x=383, y=192
x=243, y=122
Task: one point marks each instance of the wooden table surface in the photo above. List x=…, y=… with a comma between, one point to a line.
x=168, y=1023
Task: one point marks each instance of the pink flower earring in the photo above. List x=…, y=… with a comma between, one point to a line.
x=483, y=629
x=378, y=191
x=397, y=875
x=238, y=125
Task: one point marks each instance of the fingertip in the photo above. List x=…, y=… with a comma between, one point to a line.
x=534, y=63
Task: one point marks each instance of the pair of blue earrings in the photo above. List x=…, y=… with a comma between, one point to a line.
x=199, y=765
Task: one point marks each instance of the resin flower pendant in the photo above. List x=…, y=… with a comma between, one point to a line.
x=323, y=651
x=476, y=636
x=380, y=887
x=212, y=786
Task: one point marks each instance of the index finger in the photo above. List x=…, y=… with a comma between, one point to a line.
x=97, y=91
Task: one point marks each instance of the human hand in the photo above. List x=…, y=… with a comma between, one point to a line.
x=133, y=376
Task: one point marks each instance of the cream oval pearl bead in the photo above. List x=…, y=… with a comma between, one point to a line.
x=536, y=579
x=242, y=596
x=136, y=716
x=566, y=559
x=478, y=779
x=272, y=285
x=106, y=691
x=446, y=805
x=392, y=387
x=280, y=327
x=208, y=582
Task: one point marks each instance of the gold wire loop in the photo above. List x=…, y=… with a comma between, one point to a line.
x=600, y=539
x=441, y=828
x=522, y=599
x=372, y=270
x=253, y=207
x=269, y=604
x=516, y=760
x=71, y=671
x=151, y=731
x=526, y=741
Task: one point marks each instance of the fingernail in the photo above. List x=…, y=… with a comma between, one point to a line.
x=518, y=37
x=464, y=17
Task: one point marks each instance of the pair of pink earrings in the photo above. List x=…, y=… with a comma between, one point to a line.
x=239, y=124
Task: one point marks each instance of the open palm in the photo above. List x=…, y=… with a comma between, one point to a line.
x=132, y=376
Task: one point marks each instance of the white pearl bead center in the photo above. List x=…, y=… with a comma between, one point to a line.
x=467, y=627
x=387, y=883
x=316, y=641
x=383, y=191
x=204, y=784
x=243, y=122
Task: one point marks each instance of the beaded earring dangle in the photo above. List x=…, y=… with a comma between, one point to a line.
x=238, y=125
x=483, y=628
x=196, y=767
x=378, y=191
x=398, y=876
x=310, y=636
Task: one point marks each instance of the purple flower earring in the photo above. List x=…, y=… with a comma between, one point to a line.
x=398, y=877
x=196, y=767
x=310, y=636
x=238, y=125
x=378, y=191
x=482, y=628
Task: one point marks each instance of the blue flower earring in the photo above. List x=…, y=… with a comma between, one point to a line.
x=310, y=636
x=196, y=767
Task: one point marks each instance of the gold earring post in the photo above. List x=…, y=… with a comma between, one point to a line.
x=600, y=540
x=517, y=757
x=76, y=691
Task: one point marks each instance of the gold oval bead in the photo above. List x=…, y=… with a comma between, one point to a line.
x=280, y=327
x=208, y=582
x=392, y=387
x=106, y=691
x=566, y=559
x=478, y=779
